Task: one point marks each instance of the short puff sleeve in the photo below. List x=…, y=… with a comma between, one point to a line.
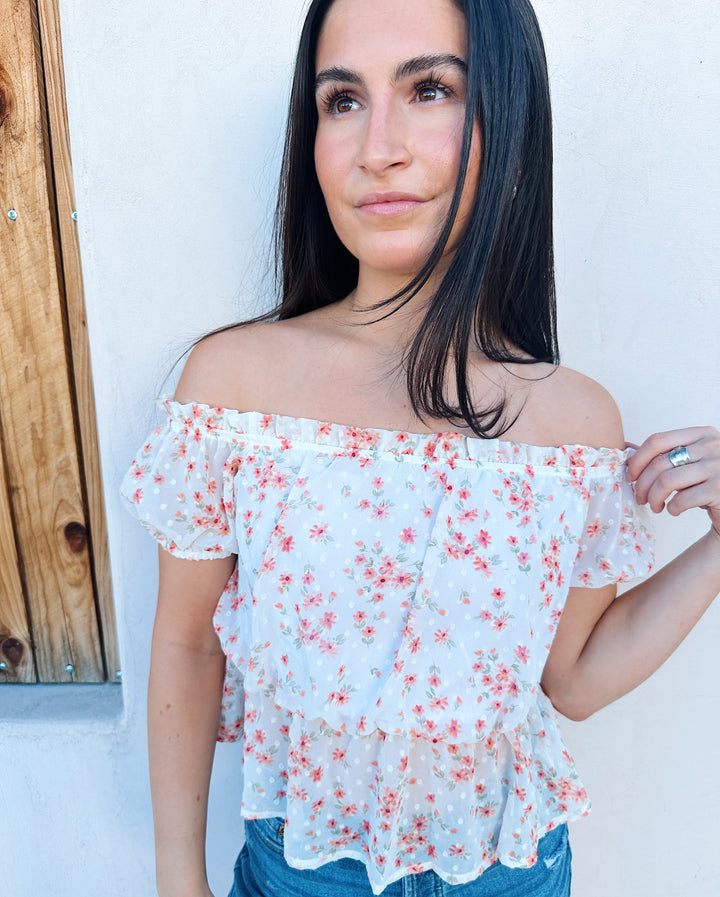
x=180, y=485
x=617, y=542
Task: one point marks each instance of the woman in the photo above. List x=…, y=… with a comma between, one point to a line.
x=413, y=520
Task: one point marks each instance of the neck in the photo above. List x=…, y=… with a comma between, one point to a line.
x=388, y=327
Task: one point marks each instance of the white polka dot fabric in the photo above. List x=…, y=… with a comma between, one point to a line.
x=387, y=624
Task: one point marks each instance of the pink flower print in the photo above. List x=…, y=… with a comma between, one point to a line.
x=594, y=528
x=298, y=793
x=359, y=616
x=434, y=680
x=482, y=565
x=319, y=532
x=498, y=594
x=328, y=620
x=457, y=850
x=523, y=557
x=585, y=578
x=468, y=516
x=485, y=615
x=287, y=544
x=451, y=550
x=522, y=654
x=427, y=512
x=267, y=565
x=409, y=680
x=415, y=645
x=442, y=636
x=512, y=541
x=368, y=631
x=452, y=729
x=137, y=496
x=285, y=580
x=408, y=535
x=363, y=504
x=438, y=703
x=377, y=483
x=381, y=512
x=503, y=672
x=500, y=623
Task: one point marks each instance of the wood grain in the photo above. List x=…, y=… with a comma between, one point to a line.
x=51, y=44
x=14, y=627
x=36, y=397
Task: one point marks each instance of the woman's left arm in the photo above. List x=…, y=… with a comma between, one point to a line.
x=606, y=646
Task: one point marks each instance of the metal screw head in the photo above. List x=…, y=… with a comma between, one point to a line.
x=3, y=665
x=12, y=215
x=73, y=215
x=69, y=668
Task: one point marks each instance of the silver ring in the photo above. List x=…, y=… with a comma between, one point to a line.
x=679, y=456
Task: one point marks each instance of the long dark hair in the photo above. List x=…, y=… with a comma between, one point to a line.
x=499, y=291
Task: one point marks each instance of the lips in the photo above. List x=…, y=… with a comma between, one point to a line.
x=385, y=205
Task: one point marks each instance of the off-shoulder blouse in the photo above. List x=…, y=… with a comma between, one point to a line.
x=387, y=623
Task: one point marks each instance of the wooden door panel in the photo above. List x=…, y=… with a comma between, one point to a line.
x=40, y=448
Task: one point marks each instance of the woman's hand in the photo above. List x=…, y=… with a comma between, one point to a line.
x=696, y=483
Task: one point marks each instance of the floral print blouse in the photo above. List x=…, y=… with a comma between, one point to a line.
x=394, y=601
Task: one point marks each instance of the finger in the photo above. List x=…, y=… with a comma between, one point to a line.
x=700, y=496
x=661, y=469
x=673, y=480
x=662, y=443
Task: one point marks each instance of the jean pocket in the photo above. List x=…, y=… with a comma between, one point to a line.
x=554, y=846
x=269, y=831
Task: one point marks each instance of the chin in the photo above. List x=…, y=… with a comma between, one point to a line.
x=393, y=258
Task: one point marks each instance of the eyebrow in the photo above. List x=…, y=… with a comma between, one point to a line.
x=414, y=66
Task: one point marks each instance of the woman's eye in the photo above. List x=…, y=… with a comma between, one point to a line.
x=429, y=92
x=339, y=104
x=343, y=104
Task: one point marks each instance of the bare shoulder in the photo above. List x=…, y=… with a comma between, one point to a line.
x=246, y=367
x=224, y=368
x=565, y=407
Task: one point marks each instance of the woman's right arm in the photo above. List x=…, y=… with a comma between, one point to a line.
x=184, y=695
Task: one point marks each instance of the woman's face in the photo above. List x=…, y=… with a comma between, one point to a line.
x=390, y=88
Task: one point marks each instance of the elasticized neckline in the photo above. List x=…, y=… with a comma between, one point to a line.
x=198, y=419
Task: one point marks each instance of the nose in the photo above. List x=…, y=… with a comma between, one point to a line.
x=385, y=140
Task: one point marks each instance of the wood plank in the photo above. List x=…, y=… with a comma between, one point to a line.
x=15, y=647
x=36, y=402
x=51, y=44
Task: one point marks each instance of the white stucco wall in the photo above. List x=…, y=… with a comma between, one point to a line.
x=176, y=111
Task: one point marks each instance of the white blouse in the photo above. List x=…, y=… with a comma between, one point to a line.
x=387, y=624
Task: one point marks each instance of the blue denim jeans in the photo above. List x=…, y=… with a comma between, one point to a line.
x=261, y=871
